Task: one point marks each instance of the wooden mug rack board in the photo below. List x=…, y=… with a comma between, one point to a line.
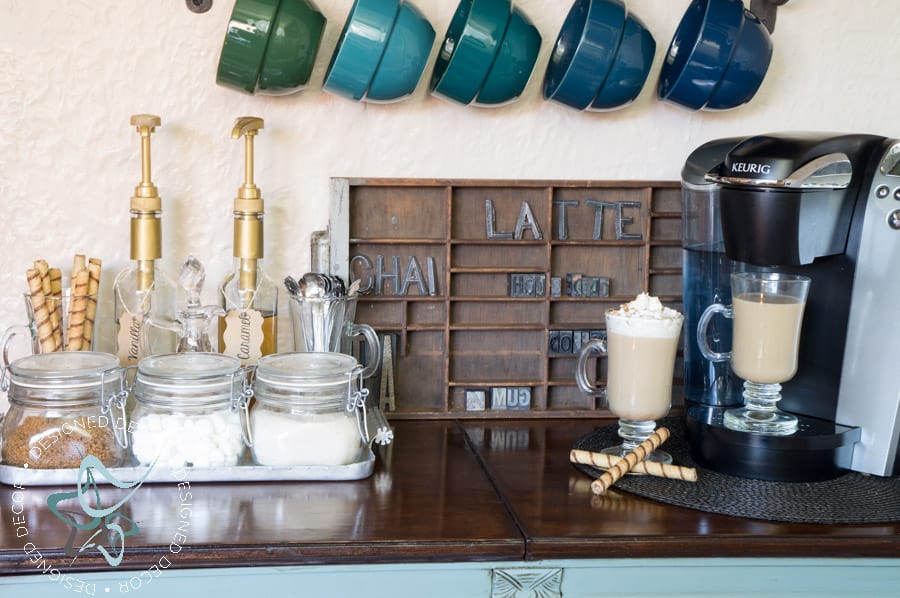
x=482, y=291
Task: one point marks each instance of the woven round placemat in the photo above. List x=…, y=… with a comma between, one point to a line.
x=852, y=498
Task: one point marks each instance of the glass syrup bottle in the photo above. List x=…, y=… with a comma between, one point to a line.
x=250, y=298
x=194, y=319
x=143, y=293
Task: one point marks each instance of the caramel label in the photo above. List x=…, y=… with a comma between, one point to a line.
x=243, y=337
x=128, y=340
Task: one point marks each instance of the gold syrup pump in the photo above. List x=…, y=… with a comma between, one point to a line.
x=141, y=289
x=248, y=211
x=146, y=208
x=249, y=297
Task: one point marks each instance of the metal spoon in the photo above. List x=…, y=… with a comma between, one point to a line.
x=291, y=285
x=311, y=285
x=339, y=289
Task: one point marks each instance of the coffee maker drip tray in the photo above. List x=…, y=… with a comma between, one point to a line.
x=819, y=450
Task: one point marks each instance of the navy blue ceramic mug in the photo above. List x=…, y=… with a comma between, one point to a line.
x=717, y=59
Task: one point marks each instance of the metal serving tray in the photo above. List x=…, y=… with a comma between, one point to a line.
x=362, y=468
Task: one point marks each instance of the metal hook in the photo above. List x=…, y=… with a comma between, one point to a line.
x=765, y=11
x=198, y=6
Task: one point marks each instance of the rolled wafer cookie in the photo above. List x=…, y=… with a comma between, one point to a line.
x=78, y=264
x=55, y=281
x=52, y=304
x=43, y=328
x=44, y=270
x=660, y=470
x=55, y=305
x=75, y=331
x=629, y=460
x=91, y=311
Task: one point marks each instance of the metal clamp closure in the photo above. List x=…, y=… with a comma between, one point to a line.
x=240, y=401
x=117, y=400
x=356, y=401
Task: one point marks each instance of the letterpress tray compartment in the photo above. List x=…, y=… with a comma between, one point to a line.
x=483, y=291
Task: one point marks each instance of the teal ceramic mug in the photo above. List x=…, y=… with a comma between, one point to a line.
x=470, y=44
x=293, y=45
x=514, y=62
x=404, y=57
x=246, y=37
x=360, y=47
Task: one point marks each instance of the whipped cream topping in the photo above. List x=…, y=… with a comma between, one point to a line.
x=645, y=316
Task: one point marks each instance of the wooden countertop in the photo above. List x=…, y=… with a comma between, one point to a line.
x=444, y=491
x=552, y=504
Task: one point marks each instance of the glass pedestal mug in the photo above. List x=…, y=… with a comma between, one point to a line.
x=325, y=325
x=767, y=309
x=640, y=365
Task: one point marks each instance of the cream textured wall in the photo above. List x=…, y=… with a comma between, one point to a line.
x=71, y=74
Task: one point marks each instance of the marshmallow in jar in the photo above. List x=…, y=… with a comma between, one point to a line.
x=309, y=410
x=190, y=410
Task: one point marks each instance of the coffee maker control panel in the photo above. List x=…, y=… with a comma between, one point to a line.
x=870, y=389
x=890, y=168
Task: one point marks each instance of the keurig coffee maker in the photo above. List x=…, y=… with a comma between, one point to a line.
x=826, y=207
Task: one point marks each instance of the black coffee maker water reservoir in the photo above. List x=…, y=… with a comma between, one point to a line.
x=827, y=207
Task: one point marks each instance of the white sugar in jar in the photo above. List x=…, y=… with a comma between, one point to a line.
x=309, y=410
x=190, y=410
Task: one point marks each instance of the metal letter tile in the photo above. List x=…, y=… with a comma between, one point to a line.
x=565, y=341
x=553, y=345
x=475, y=400
x=381, y=275
x=598, y=334
x=577, y=340
x=594, y=286
x=556, y=286
x=562, y=218
x=498, y=398
x=622, y=220
x=490, y=223
x=518, y=397
x=413, y=274
x=573, y=284
x=527, y=220
x=598, y=206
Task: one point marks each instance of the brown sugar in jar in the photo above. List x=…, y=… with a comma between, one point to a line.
x=60, y=442
x=63, y=407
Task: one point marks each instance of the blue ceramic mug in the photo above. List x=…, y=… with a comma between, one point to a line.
x=747, y=68
x=718, y=45
x=584, y=52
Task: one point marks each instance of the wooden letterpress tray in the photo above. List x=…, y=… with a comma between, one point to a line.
x=459, y=278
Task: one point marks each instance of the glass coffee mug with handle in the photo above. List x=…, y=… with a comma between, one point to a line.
x=56, y=322
x=767, y=309
x=325, y=324
x=641, y=345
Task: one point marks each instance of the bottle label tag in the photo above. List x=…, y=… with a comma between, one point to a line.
x=243, y=335
x=128, y=341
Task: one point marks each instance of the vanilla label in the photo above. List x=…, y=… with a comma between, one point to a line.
x=243, y=336
x=128, y=339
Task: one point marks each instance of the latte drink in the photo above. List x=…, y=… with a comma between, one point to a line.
x=642, y=341
x=766, y=337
